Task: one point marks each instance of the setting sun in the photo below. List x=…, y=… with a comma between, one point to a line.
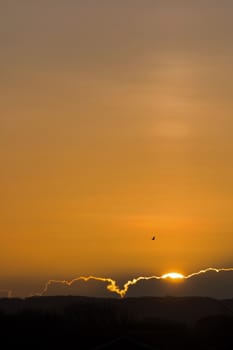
x=173, y=275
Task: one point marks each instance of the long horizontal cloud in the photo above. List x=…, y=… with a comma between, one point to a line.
x=212, y=282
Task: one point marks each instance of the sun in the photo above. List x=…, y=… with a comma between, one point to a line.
x=173, y=275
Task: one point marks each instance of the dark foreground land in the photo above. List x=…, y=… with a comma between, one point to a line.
x=133, y=323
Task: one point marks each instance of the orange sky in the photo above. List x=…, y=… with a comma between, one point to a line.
x=115, y=124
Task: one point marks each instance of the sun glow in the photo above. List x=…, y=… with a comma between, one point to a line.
x=173, y=275
x=113, y=287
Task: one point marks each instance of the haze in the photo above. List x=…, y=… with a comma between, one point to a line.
x=115, y=125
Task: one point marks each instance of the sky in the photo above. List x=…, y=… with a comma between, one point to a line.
x=115, y=125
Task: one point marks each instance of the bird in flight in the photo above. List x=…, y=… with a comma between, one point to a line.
x=153, y=238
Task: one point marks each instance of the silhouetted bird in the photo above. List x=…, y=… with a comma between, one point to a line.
x=153, y=238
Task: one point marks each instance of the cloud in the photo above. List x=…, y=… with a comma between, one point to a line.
x=211, y=282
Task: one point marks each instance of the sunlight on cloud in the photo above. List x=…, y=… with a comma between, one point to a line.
x=113, y=287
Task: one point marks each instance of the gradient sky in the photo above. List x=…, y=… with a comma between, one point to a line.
x=115, y=124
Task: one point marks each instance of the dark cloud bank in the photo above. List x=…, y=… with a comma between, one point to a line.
x=210, y=284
